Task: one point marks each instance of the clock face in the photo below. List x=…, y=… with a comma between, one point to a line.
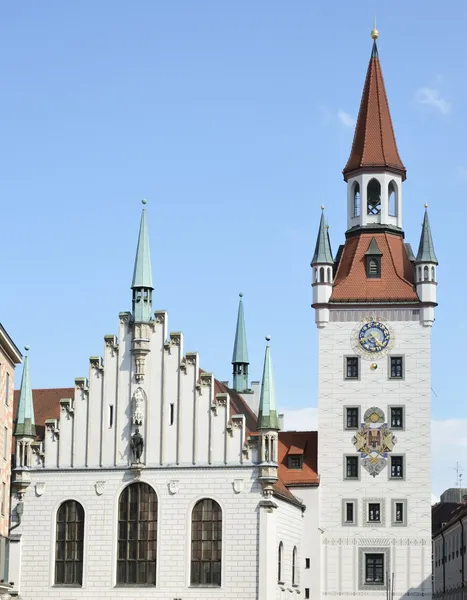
x=374, y=337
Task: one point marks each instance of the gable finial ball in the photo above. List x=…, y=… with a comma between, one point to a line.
x=26, y=348
x=241, y=294
x=426, y=205
x=322, y=206
x=268, y=338
x=144, y=201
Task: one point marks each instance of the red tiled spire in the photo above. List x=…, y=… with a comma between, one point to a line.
x=374, y=144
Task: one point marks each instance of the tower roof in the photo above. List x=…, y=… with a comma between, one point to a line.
x=25, y=424
x=426, y=249
x=323, y=253
x=374, y=143
x=240, y=351
x=142, y=274
x=267, y=413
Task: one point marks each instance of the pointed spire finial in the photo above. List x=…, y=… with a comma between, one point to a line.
x=267, y=413
x=25, y=423
x=374, y=31
x=426, y=205
x=426, y=249
x=144, y=201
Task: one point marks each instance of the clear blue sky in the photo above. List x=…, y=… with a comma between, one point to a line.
x=230, y=117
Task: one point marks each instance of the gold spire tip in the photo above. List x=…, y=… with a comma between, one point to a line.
x=374, y=31
x=322, y=206
x=426, y=205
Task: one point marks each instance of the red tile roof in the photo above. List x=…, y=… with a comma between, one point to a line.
x=307, y=441
x=396, y=283
x=374, y=144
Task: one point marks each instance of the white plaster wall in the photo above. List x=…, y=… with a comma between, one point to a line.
x=289, y=529
x=311, y=540
x=410, y=546
x=240, y=532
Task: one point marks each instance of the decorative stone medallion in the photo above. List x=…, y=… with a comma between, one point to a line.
x=100, y=487
x=40, y=488
x=374, y=441
x=174, y=486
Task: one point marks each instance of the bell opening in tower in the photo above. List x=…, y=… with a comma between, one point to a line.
x=374, y=197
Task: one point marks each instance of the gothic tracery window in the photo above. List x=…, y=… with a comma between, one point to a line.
x=69, y=542
x=206, y=543
x=137, y=535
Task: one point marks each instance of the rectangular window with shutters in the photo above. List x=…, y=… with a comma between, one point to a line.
x=396, y=367
x=352, y=417
x=351, y=467
x=352, y=370
x=397, y=417
x=397, y=467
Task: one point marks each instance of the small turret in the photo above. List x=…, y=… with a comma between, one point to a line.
x=425, y=273
x=142, y=276
x=240, y=353
x=24, y=432
x=268, y=426
x=322, y=278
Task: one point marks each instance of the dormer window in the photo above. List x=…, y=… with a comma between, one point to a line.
x=373, y=260
x=295, y=461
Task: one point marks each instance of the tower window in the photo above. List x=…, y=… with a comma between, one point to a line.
x=397, y=417
x=351, y=367
x=426, y=276
x=373, y=197
x=356, y=200
x=374, y=512
x=351, y=467
x=392, y=199
x=279, y=562
x=373, y=267
x=397, y=467
x=399, y=512
x=307, y=563
x=351, y=417
x=397, y=370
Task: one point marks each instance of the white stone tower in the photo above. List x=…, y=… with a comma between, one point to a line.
x=374, y=326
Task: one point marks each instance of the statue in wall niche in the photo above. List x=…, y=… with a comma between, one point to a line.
x=138, y=414
x=137, y=445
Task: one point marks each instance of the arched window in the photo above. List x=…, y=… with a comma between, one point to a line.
x=419, y=273
x=137, y=535
x=294, y=566
x=432, y=274
x=279, y=562
x=373, y=192
x=321, y=274
x=206, y=543
x=392, y=199
x=69, y=541
x=329, y=274
x=356, y=200
x=425, y=273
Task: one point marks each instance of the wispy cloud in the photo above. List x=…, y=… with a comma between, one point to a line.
x=345, y=118
x=432, y=97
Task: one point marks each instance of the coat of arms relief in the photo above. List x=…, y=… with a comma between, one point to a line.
x=374, y=441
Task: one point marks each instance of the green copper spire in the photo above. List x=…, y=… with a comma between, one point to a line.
x=25, y=424
x=426, y=249
x=240, y=353
x=267, y=414
x=142, y=276
x=323, y=253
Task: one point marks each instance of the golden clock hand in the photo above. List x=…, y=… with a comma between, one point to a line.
x=378, y=343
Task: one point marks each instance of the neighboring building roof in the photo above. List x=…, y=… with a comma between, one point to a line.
x=46, y=405
x=299, y=442
x=142, y=274
x=445, y=514
x=25, y=423
x=323, y=252
x=426, y=249
x=240, y=351
x=9, y=347
x=374, y=144
x=396, y=283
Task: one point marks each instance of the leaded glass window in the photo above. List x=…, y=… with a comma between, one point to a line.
x=69, y=542
x=206, y=543
x=137, y=535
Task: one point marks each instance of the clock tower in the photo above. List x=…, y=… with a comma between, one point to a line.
x=374, y=307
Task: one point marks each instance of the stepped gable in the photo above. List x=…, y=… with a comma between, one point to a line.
x=396, y=283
